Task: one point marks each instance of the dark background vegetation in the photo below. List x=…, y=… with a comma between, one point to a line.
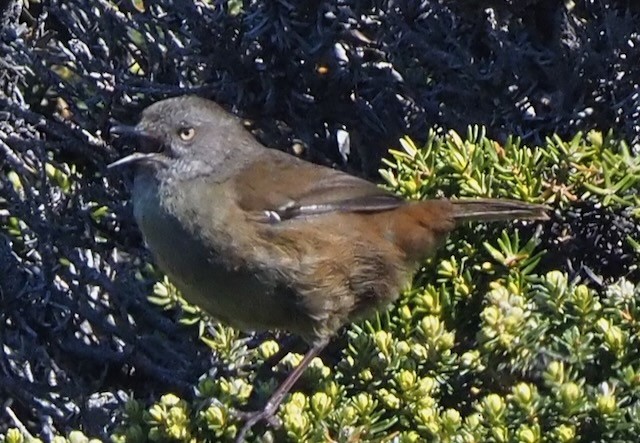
x=75, y=329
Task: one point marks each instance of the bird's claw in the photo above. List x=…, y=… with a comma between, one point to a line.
x=254, y=417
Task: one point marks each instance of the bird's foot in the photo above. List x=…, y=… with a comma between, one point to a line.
x=268, y=414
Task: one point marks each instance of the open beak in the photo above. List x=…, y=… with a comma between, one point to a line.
x=127, y=131
x=135, y=133
x=134, y=158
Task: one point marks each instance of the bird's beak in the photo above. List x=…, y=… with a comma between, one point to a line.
x=136, y=133
x=127, y=131
x=134, y=158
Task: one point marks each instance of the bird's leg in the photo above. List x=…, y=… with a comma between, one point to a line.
x=278, y=395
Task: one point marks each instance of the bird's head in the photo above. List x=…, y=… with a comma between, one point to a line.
x=178, y=128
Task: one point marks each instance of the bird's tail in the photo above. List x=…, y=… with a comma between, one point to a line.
x=488, y=209
x=421, y=226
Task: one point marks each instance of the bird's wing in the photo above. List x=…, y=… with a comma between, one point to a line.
x=277, y=187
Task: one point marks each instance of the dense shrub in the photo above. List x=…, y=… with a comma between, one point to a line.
x=79, y=337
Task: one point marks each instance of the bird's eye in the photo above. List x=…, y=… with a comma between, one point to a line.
x=186, y=133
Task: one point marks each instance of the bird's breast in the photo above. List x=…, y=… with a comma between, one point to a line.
x=187, y=229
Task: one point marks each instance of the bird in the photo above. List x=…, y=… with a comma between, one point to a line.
x=263, y=240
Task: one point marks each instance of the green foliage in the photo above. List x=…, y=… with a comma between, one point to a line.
x=593, y=167
x=14, y=435
x=481, y=348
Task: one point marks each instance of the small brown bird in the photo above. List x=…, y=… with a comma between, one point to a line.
x=263, y=240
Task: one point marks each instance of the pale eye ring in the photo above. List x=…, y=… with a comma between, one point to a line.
x=186, y=133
